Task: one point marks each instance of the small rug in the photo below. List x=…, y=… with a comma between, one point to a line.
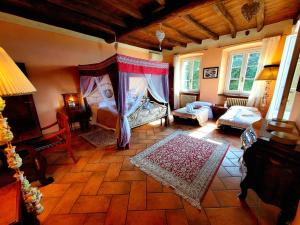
x=100, y=137
x=186, y=163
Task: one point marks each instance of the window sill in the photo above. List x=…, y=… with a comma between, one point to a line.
x=190, y=92
x=234, y=95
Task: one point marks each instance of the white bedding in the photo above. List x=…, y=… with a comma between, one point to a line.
x=239, y=117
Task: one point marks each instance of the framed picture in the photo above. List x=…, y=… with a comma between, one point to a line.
x=210, y=72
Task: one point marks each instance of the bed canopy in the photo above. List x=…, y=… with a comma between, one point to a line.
x=130, y=79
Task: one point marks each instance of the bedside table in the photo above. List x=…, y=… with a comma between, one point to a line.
x=218, y=110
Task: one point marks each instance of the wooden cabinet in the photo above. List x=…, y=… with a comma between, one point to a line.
x=22, y=115
x=12, y=208
x=273, y=172
x=218, y=111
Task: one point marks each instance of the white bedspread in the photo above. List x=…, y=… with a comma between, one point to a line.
x=239, y=117
x=201, y=115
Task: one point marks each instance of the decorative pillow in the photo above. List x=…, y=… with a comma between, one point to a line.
x=189, y=107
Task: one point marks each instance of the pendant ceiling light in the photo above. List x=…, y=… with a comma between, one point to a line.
x=160, y=35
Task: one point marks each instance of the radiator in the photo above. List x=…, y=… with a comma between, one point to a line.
x=235, y=101
x=186, y=98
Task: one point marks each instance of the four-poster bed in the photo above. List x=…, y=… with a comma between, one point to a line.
x=117, y=91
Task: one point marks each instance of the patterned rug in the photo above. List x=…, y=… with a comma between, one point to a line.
x=100, y=137
x=186, y=163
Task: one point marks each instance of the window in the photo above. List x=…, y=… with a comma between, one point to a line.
x=190, y=74
x=242, y=69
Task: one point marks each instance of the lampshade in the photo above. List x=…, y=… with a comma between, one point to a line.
x=268, y=73
x=12, y=79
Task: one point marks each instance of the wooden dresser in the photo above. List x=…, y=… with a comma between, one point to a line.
x=273, y=172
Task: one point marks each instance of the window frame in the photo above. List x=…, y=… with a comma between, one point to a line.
x=192, y=58
x=242, y=78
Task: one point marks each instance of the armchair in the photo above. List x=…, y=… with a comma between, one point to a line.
x=58, y=140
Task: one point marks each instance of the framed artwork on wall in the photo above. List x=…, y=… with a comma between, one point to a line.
x=210, y=72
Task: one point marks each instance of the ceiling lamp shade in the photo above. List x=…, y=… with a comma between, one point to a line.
x=268, y=73
x=12, y=79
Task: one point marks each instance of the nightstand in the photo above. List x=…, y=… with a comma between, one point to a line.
x=77, y=110
x=218, y=110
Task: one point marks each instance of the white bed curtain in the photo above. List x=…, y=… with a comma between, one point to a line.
x=176, y=62
x=269, y=47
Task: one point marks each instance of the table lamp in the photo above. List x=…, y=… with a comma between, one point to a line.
x=268, y=74
x=13, y=82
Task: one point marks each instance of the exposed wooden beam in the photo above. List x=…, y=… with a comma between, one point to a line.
x=260, y=17
x=203, y=29
x=126, y=8
x=184, y=35
x=172, y=8
x=92, y=12
x=170, y=41
x=175, y=42
x=54, y=15
x=222, y=11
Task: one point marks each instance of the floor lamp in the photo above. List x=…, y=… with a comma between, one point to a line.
x=12, y=83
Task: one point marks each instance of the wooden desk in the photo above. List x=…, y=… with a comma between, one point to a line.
x=273, y=172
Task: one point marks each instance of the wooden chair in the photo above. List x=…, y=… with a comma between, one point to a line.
x=58, y=140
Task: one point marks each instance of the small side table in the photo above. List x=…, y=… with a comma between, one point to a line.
x=218, y=111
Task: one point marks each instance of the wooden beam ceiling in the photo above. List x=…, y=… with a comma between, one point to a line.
x=110, y=19
x=222, y=11
x=260, y=17
x=161, y=2
x=169, y=40
x=84, y=8
x=126, y=8
x=203, y=29
x=146, y=44
x=51, y=14
x=171, y=9
x=182, y=34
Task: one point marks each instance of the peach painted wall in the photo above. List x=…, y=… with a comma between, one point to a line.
x=214, y=55
x=51, y=59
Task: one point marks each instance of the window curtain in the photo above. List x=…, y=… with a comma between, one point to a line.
x=176, y=62
x=269, y=47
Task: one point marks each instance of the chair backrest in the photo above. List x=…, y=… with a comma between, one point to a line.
x=63, y=123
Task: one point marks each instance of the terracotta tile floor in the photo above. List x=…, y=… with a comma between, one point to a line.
x=103, y=187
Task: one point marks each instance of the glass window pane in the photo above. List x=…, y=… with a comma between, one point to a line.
x=186, y=85
x=195, y=85
x=237, y=60
x=186, y=69
x=251, y=72
x=248, y=85
x=235, y=72
x=233, y=85
x=253, y=59
x=196, y=65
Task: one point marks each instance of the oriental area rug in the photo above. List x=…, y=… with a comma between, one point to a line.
x=100, y=137
x=184, y=162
